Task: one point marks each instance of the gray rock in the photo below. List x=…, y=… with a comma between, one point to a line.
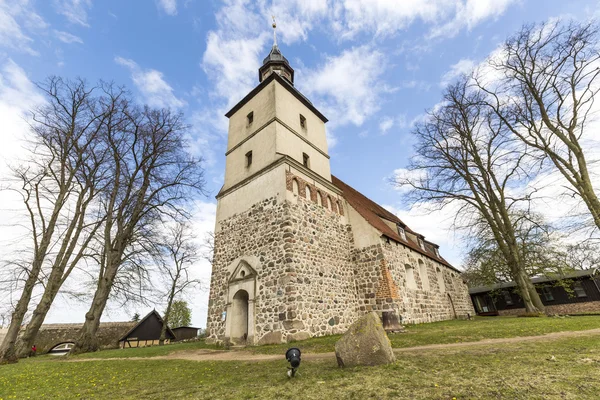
x=364, y=343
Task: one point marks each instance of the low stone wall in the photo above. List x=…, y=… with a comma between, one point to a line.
x=571, y=308
x=51, y=335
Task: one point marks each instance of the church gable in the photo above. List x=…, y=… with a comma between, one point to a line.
x=243, y=271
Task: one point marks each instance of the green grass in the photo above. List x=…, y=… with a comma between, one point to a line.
x=515, y=371
x=455, y=331
x=151, y=351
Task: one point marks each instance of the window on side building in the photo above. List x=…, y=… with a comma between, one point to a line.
x=302, y=122
x=547, y=293
x=579, y=290
x=250, y=117
x=507, y=298
x=248, y=159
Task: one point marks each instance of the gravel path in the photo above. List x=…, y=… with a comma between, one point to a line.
x=242, y=355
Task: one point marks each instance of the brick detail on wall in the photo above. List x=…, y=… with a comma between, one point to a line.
x=561, y=309
x=336, y=206
x=387, y=287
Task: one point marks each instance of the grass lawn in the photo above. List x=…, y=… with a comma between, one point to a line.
x=456, y=331
x=548, y=369
x=152, y=351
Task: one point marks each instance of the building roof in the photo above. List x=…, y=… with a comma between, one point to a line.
x=275, y=55
x=284, y=82
x=184, y=327
x=538, y=279
x=151, y=313
x=374, y=214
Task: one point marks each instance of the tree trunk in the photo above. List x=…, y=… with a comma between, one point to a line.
x=28, y=337
x=8, y=352
x=87, y=340
x=163, y=329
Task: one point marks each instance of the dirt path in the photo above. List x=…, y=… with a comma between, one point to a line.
x=242, y=355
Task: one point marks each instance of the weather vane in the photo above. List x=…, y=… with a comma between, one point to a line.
x=274, y=25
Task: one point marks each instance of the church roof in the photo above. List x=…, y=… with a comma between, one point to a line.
x=283, y=83
x=275, y=55
x=374, y=214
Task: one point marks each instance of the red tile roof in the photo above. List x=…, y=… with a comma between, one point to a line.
x=374, y=214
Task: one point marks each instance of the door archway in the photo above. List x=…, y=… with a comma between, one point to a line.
x=239, y=317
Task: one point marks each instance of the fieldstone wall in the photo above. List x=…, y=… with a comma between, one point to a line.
x=374, y=265
x=305, y=283
x=437, y=303
x=310, y=279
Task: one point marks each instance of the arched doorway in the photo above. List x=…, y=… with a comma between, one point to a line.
x=239, y=317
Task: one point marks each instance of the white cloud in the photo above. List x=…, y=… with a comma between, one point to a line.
x=16, y=17
x=74, y=10
x=387, y=17
x=348, y=85
x=232, y=64
x=17, y=95
x=155, y=90
x=469, y=13
x=67, y=37
x=462, y=67
x=386, y=124
x=168, y=6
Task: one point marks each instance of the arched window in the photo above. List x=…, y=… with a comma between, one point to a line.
x=333, y=207
x=340, y=209
x=440, y=279
x=329, y=203
x=423, y=275
x=307, y=193
x=319, y=199
x=410, y=277
x=294, y=186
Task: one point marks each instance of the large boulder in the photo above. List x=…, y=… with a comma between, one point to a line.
x=365, y=343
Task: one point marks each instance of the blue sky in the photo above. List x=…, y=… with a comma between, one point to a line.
x=372, y=67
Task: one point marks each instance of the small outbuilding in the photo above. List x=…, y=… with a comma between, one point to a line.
x=573, y=293
x=185, y=332
x=146, y=332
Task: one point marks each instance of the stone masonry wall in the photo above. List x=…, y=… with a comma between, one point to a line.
x=108, y=334
x=311, y=281
x=413, y=305
x=421, y=305
x=305, y=284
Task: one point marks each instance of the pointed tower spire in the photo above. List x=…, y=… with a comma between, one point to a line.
x=275, y=62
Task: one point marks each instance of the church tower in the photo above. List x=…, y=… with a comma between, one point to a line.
x=299, y=253
x=280, y=234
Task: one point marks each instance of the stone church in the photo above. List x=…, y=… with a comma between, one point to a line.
x=298, y=252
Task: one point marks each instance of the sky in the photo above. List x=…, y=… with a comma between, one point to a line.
x=372, y=67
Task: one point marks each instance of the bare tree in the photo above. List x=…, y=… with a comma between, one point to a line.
x=180, y=253
x=542, y=248
x=464, y=156
x=549, y=80
x=90, y=179
x=56, y=190
x=153, y=180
